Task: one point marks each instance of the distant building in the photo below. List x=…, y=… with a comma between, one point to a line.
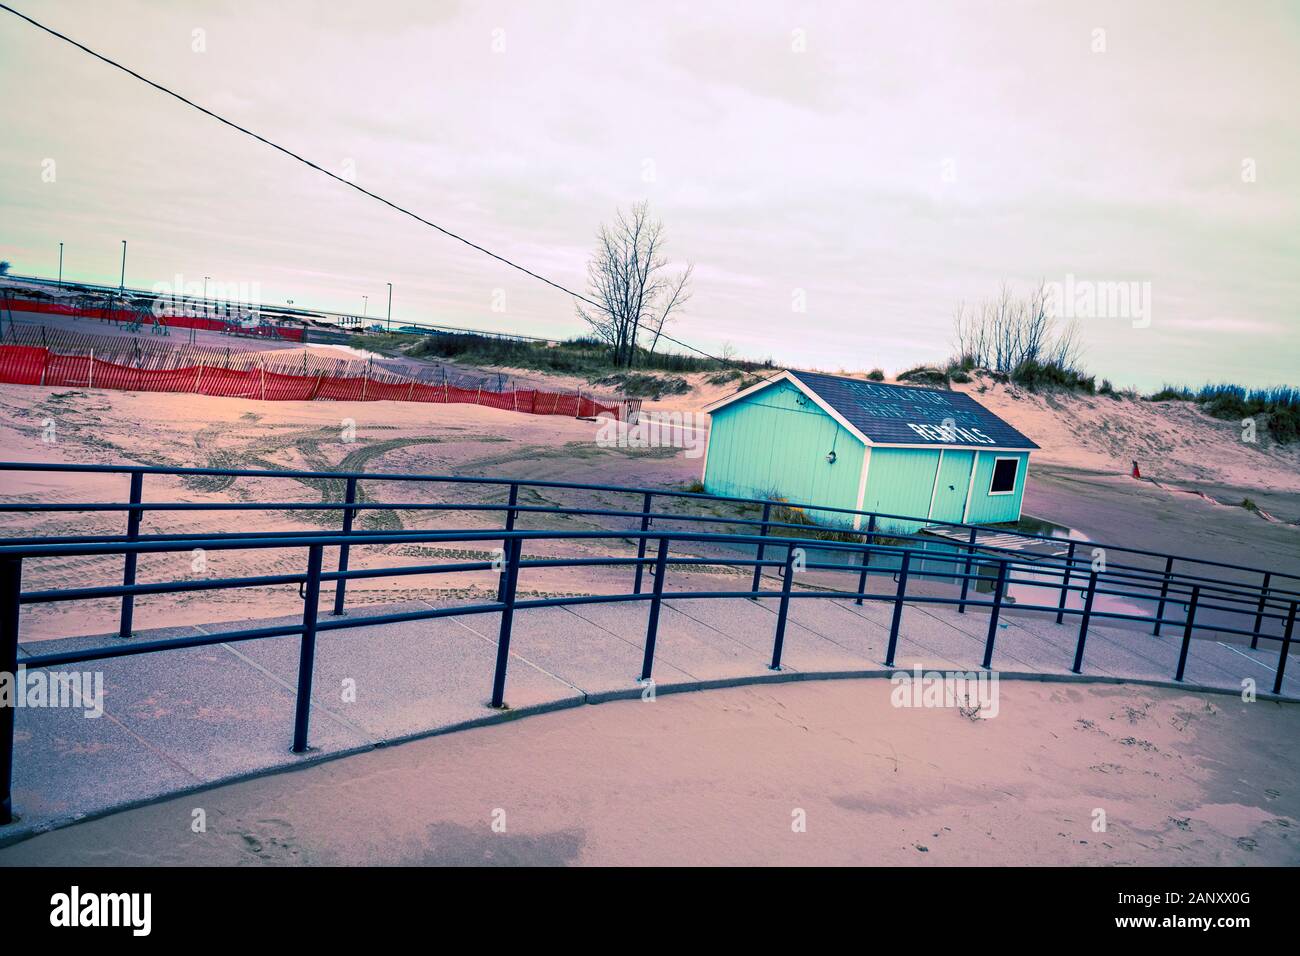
x=924, y=453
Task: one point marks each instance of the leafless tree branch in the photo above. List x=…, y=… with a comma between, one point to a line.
x=627, y=277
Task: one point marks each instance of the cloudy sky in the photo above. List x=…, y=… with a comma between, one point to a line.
x=875, y=164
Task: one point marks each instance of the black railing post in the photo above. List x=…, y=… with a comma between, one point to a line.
x=640, y=546
x=340, y=586
x=866, y=557
x=128, y=573
x=758, y=568
x=1164, y=594
x=1187, y=632
x=11, y=581
x=307, y=649
x=1286, y=649
x=1083, y=624
x=965, y=581
x=1065, y=584
x=652, y=627
x=507, y=622
x=783, y=609
x=1259, y=612
x=510, y=526
x=898, y=608
x=994, y=613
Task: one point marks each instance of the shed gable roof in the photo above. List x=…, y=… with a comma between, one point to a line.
x=902, y=415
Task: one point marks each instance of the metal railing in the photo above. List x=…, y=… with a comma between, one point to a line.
x=905, y=559
x=871, y=526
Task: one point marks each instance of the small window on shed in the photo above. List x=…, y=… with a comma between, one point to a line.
x=1004, y=476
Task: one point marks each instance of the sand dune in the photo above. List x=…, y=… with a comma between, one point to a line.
x=1172, y=441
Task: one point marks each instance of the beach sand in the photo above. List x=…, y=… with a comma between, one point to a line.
x=722, y=777
x=1079, y=480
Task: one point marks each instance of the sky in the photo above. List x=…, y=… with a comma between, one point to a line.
x=842, y=175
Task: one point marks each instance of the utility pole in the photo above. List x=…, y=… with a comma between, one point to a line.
x=390, y=307
x=121, y=287
x=60, y=265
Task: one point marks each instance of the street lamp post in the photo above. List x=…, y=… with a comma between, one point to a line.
x=390, y=307
x=121, y=290
x=60, y=265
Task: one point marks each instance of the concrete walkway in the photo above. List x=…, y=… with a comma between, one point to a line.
x=183, y=720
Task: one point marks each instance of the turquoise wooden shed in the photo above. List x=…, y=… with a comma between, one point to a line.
x=928, y=454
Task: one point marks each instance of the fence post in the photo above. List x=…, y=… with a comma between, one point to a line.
x=1259, y=612
x=783, y=609
x=1083, y=625
x=128, y=573
x=994, y=613
x=340, y=586
x=1164, y=593
x=1286, y=649
x=11, y=579
x=1187, y=632
x=1065, y=584
x=965, y=581
x=652, y=628
x=307, y=649
x=507, y=622
x=866, y=558
x=510, y=526
x=898, y=608
x=640, y=547
x=758, y=568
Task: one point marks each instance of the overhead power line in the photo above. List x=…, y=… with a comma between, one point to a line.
x=320, y=169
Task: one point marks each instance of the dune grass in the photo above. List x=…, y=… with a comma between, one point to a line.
x=1280, y=405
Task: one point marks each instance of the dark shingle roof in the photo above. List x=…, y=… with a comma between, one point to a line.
x=903, y=415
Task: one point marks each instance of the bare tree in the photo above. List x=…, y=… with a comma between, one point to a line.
x=677, y=294
x=1008, y=331
x=629, y=281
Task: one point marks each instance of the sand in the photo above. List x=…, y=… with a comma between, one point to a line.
x=720, y=777
x=707, y=778
x=1202, y=472
x=1079, y=480
x=1173, y=442
x=122, y=427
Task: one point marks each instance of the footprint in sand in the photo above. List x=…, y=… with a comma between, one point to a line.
x=271, y=841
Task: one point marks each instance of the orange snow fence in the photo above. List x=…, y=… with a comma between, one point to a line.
x=31, y=365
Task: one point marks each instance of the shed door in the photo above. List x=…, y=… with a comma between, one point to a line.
x=952, y=484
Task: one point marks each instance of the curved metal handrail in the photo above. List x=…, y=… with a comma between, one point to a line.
x=1128, y=584
x=354, y=476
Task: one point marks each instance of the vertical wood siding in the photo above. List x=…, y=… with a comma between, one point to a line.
x=775, y=442
x=991, y=509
